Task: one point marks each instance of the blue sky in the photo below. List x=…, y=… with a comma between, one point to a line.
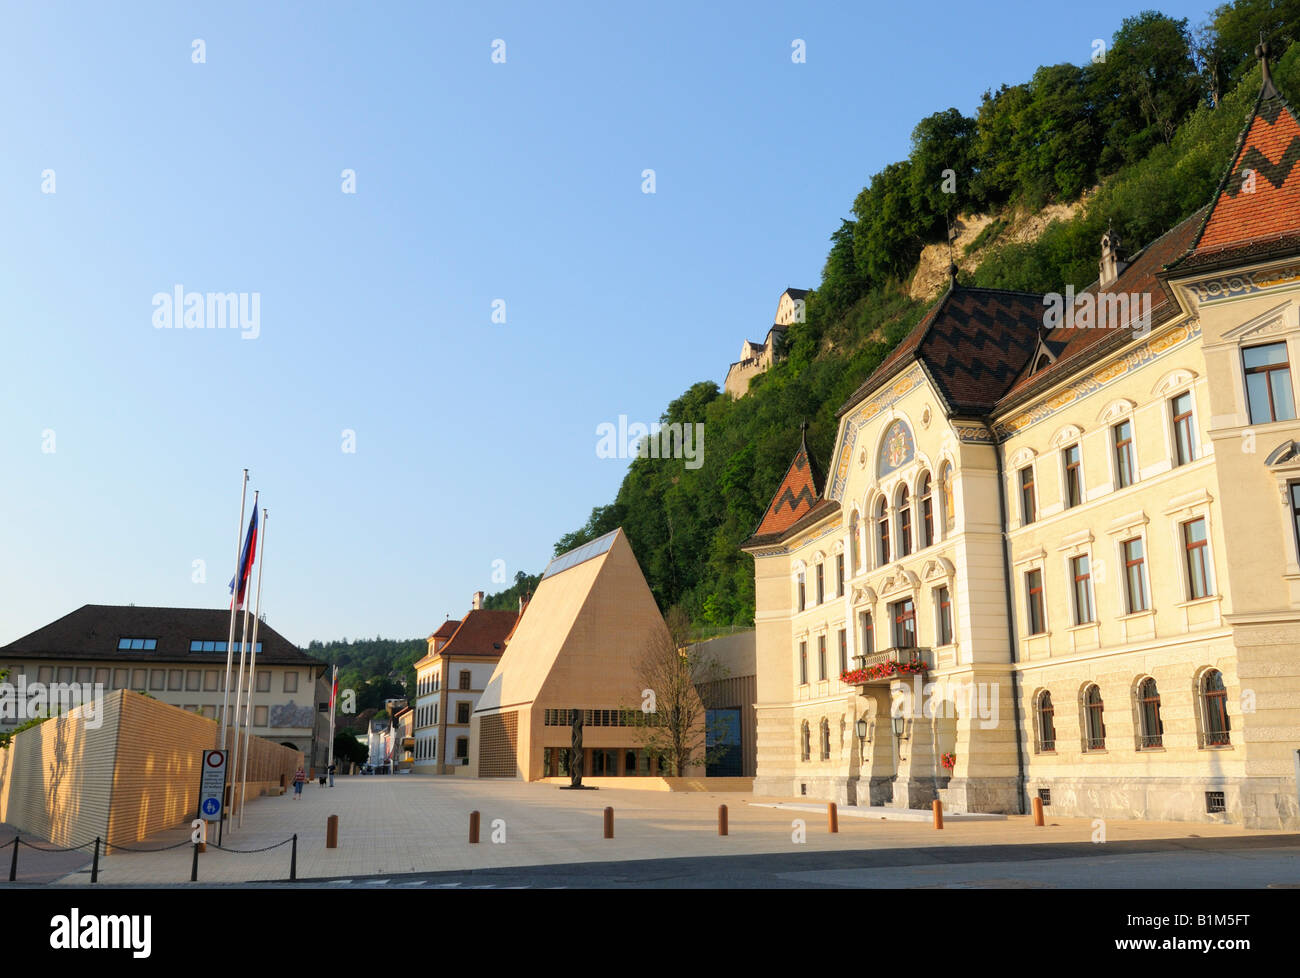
x=475, y=181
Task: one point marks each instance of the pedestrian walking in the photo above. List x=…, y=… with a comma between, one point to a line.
x=299, y=777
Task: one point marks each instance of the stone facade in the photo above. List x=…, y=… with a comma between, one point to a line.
x=1091, y=558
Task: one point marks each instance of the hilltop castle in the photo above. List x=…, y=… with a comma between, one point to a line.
x=756, y=358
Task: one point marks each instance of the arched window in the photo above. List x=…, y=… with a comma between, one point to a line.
x=1151, y=727
x=882, y=531
x=801, y=598
x=1094, y=729
x=926, y=503
x=826, y=740
x=1046, y=723
x=946, y=498
x=904, y=522
x=805, y=740
x=821, y=582
x=855, y=548
x=1214, y=710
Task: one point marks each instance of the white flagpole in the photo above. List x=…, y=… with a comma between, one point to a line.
x=252, y=668
x=333, y=685
x=230, y=643
x=243, y=644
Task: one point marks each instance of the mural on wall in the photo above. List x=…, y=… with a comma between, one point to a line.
x=289, y=715
x=897, y=448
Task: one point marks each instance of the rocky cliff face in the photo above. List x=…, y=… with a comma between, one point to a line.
x=931, y=275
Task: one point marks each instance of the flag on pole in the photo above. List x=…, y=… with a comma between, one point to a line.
x=334, y=693
x=239, y=583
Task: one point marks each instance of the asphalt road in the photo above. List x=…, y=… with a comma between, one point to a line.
x=1224, y=863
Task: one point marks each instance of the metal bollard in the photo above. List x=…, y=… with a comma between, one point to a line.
x=609, y=823
x=293, y=859
x=94, y=863
x=332, y=832
x=1038, y=811
x=722, y=820
x=832, y=817
x=13, y=863
x=473, y=828
x=194, y=866
x=937, y=805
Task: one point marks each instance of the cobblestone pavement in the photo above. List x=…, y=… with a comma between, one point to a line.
x=410, y=824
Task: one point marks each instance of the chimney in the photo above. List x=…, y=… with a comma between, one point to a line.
x=1111, y=265
x=477, y=603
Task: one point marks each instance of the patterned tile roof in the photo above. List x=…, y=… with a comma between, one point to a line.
x=973, y=342
x=796, y=495
x=1258, y=199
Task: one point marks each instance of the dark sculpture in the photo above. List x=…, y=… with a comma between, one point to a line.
x=576, y=752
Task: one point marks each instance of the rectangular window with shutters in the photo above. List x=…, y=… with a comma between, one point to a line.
x=139, y=679
x=259, y=716
x=1081, y=572
x=263, y=680
x=157, y=679
x=943, y=610
x=1135, y=575
x=193, y=680
x=101, y=677
x=210, y=680
x=175, y=679
x=1073, y=494
x=84, y=674
x=1125, y=465
x=1195, y=546
x=1028, y=506
x=1184, y=443
x=1034, y=608
x=120, y=678
x=291, y=682
x=44, y=674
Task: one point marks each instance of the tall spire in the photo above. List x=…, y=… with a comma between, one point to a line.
x=1262, y=51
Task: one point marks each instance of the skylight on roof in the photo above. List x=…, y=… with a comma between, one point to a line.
x=580, y=555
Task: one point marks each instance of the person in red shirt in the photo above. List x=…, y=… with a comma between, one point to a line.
x=299, y=777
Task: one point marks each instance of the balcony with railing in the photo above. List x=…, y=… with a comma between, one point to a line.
x=887, y=664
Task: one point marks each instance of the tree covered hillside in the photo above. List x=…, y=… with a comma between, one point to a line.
x=1152, y=127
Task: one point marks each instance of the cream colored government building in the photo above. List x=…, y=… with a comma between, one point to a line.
x=1058, y=556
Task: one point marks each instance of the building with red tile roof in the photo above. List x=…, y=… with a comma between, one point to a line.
x=1076, y=517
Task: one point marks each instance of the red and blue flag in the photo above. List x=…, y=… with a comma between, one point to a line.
x=244, y=572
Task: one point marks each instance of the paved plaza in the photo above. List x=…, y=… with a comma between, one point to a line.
x=409, y=828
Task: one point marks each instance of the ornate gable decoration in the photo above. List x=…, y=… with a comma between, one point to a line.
x=897, y=448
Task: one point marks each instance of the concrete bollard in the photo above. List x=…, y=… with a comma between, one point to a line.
x=609, y=823
x=473, y=828
x=722, y=820
x=332, y=832
x=1038, y=811
x=937, y=805
x=833, y=817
